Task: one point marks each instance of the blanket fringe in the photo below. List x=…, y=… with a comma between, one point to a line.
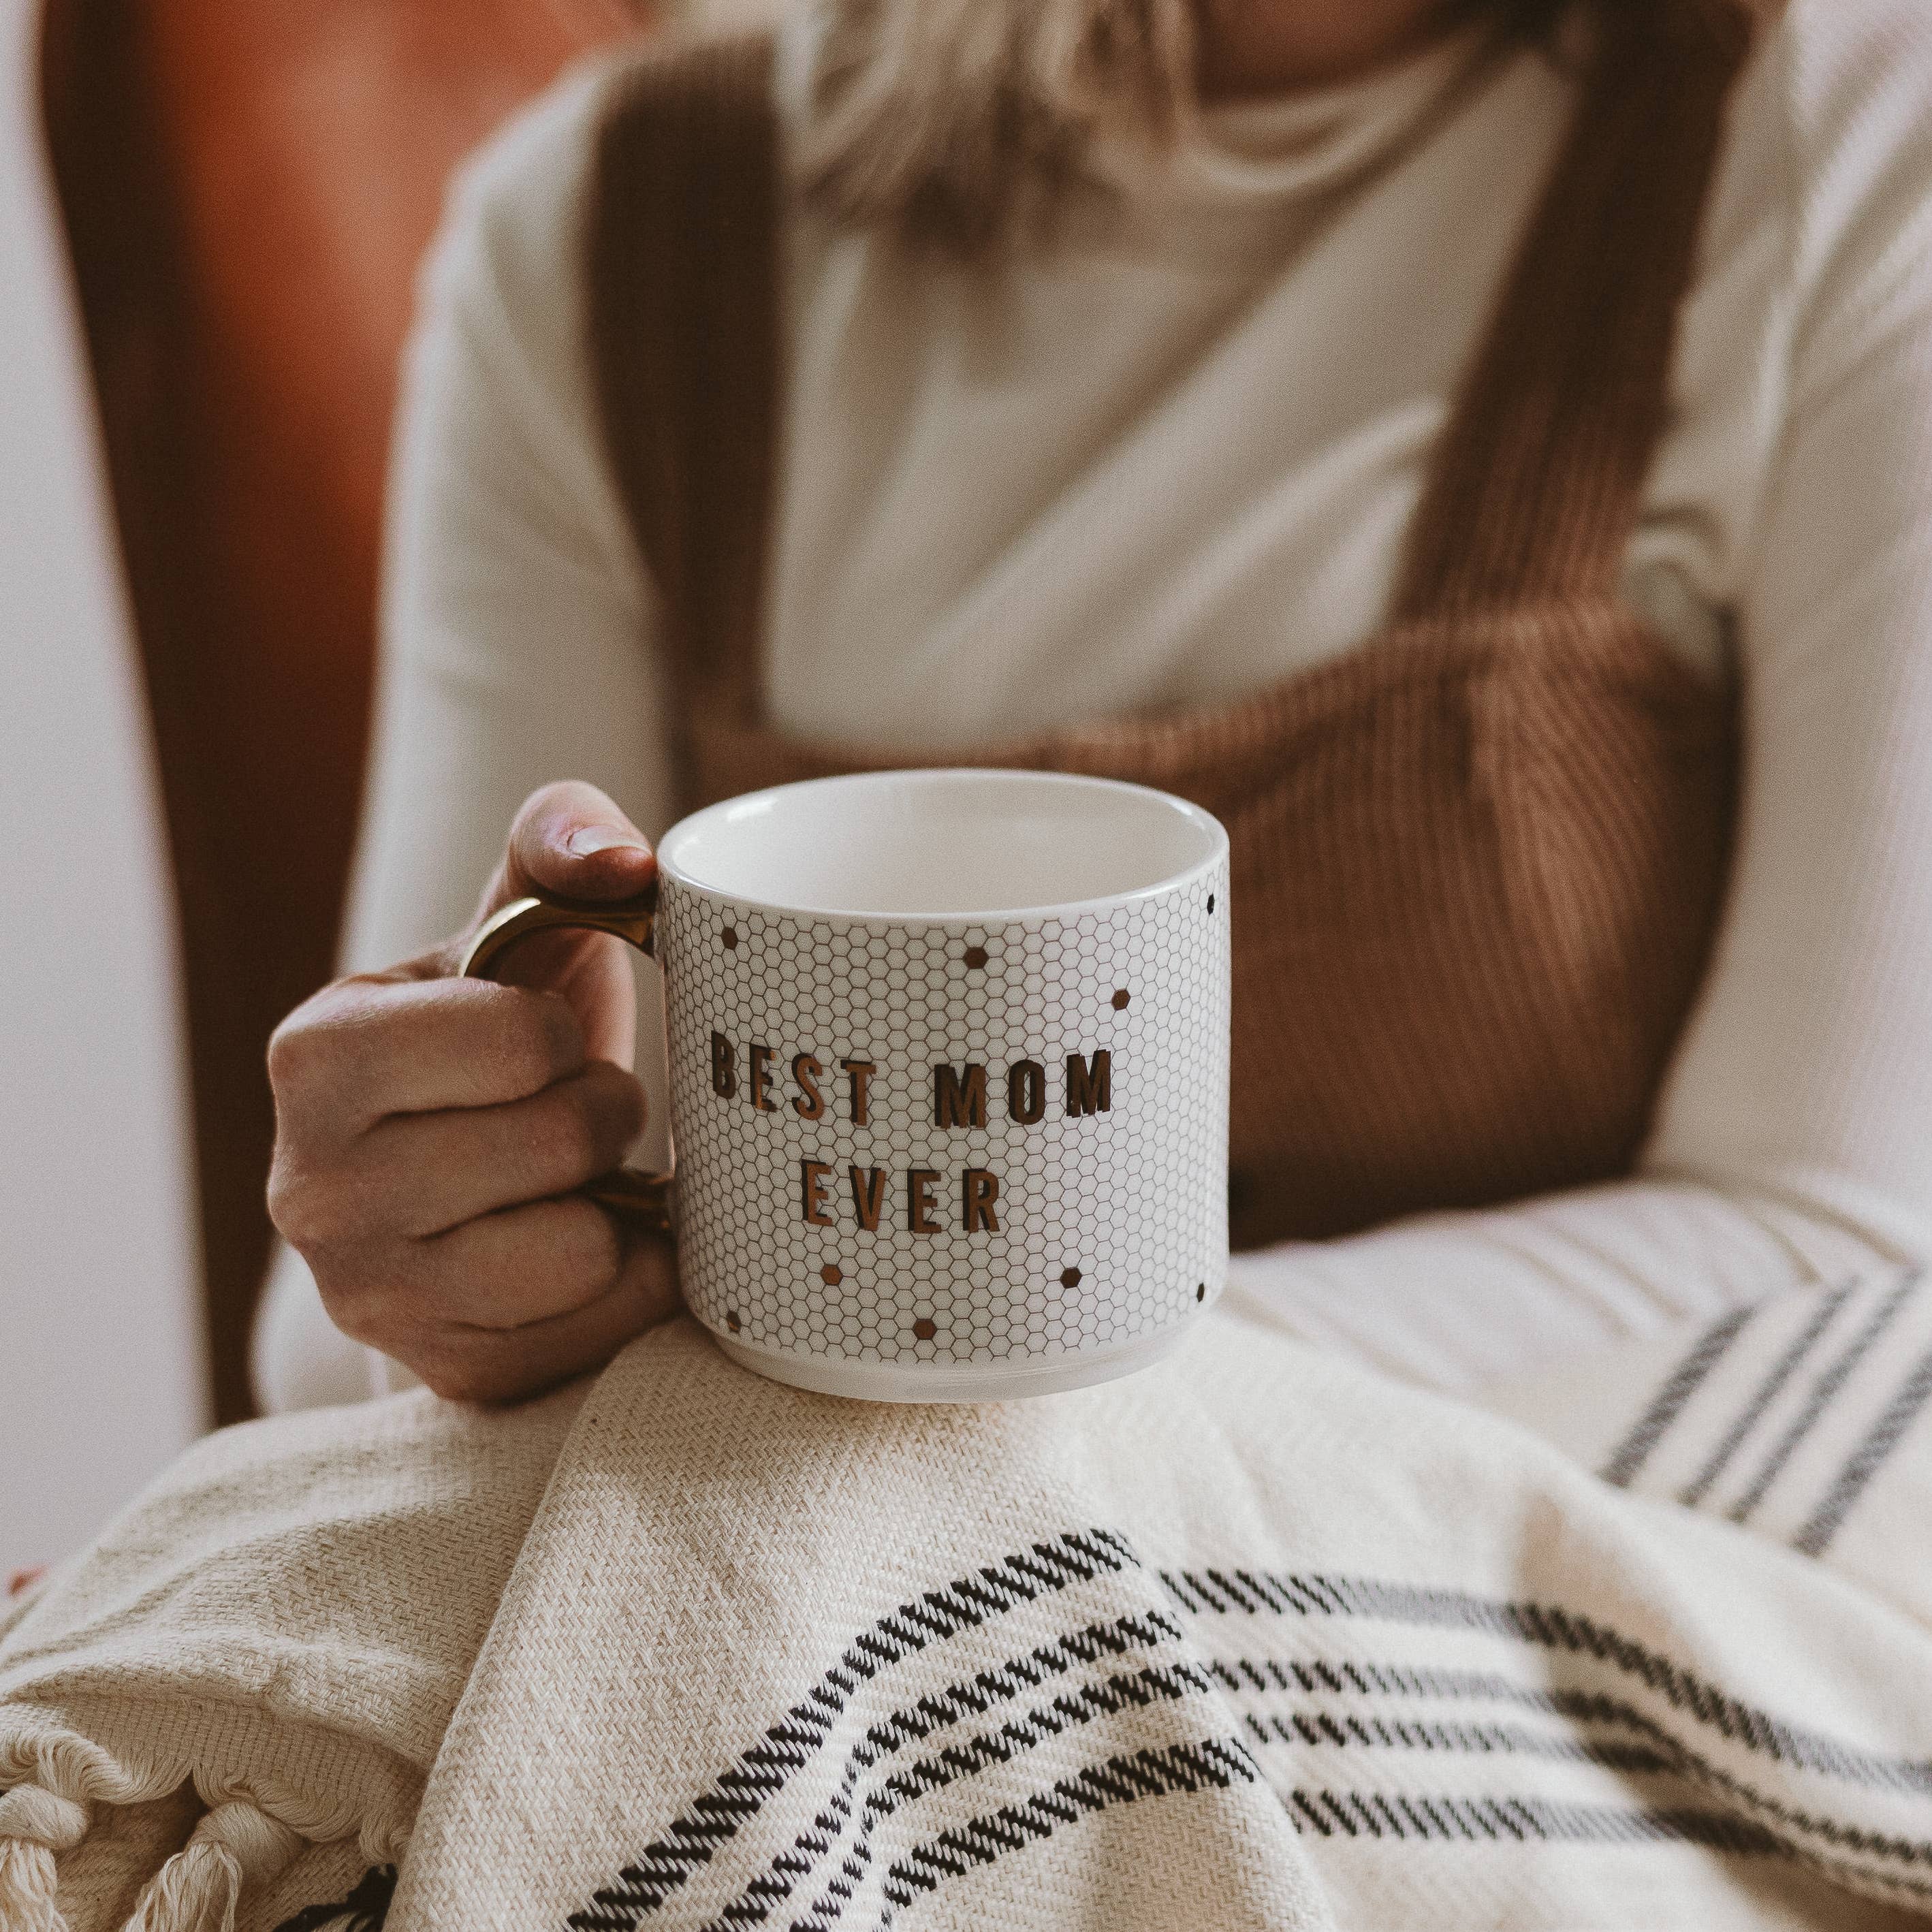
x=198, y=1889
x=35, y=1824
x=28, y=1882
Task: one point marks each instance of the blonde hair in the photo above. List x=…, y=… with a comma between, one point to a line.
x=953, y=120
x=957, y=123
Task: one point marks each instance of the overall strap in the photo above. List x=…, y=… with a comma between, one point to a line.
x=683, y=304
x=1538, y=480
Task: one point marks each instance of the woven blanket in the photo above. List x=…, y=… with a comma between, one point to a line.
x=1255, y=1638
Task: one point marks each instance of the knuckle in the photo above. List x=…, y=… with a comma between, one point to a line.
x=298, y=1206
x=571, y=1145
x=291, y=1049
x=590, y=1248
x=441, y=1376
x=360, y=1317
x=323, y=1208
x=285, y=1202
x=621, y=1096
x=360, y=1308
x=460, y=1369
x=539, y=1039
x=345, y=1203
x=322, y=1045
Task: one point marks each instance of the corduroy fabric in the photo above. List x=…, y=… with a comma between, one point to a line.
x=1476, y=863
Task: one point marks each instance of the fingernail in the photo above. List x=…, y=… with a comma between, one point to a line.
x=588, y=839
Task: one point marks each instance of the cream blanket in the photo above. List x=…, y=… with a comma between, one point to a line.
x=1255, y=1638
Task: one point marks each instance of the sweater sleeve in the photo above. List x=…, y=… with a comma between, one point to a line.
x=516, y=623
x=1793, y=1142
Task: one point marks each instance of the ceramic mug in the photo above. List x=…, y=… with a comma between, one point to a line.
x=949, y=1076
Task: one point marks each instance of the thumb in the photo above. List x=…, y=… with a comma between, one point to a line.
x=571, y=840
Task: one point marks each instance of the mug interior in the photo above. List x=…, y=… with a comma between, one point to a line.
x=947, y=845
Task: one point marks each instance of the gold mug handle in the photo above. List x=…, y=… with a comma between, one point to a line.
x=642, y=1199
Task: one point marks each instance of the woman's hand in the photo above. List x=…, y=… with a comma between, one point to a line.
x=430, y=1130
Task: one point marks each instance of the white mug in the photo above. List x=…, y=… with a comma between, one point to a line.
x=949, y=1076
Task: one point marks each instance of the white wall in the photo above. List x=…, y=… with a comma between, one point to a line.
x=101, y=1377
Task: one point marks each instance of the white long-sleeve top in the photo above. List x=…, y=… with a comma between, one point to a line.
x=1171, y=458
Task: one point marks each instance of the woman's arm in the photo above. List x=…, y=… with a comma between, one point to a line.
x=1794, y=1140
x=516, y=622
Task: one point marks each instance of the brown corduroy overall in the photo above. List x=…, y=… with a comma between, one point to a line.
x=1476, y=863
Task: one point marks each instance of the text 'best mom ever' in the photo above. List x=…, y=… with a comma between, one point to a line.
x=958, y=1100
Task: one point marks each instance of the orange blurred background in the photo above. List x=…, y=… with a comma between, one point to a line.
x=247, y=186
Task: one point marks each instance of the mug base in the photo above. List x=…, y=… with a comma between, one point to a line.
x=958, y=1381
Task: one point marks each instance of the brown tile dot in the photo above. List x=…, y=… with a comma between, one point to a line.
x=729, y=936
x=1070, y=1277
x=976, y=957
x=831, y=1274
x=731, y=1321
x=924, y=1329
x=1200, y=1293
x=1120, y=999
x=1210, y=901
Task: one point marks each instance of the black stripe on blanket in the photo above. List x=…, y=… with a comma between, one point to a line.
x=1682, y=1383
x=1435, y=1735
x=968, y=1759
x=1214, y=1762
x=1663, y=1753
x=1077, y=1705
x=845, y=1828
x=1822, y=1393
x=1722, y=1398
x=740, y=1793
x=365, y=1908
x=1546, y=1627
x=1880, y=1441
x=1439, y=1820
x=1767, y=1392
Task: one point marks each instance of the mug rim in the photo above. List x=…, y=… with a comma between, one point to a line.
x=748, y=802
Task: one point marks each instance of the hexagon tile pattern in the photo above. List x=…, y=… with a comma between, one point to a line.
x=1100, y=1228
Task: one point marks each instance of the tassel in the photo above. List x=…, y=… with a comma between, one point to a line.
x=199, y=1888
x=28, y=1881
x=34, y=1825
